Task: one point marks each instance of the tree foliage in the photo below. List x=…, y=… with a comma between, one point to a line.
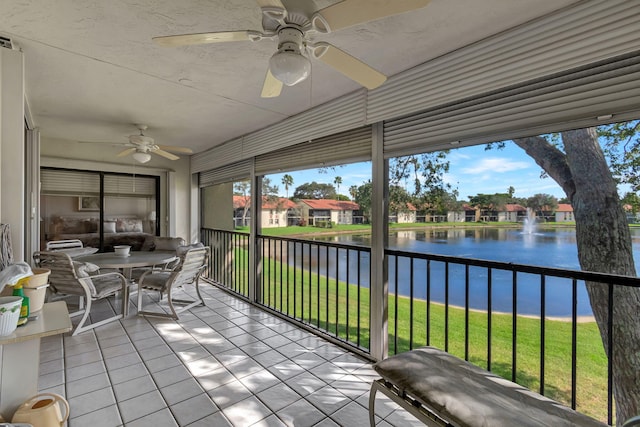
x=362, y=196
x=540, y=203
x=287, y=181
x=420, y=180
x=621, y=144
x=314, y=190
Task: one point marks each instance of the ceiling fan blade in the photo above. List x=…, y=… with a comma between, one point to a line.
x=272, y=86
x=202, y=38
x=166, y=154
x=126, y=152
x=184, y=150
x=270, y=3
x=351, y=12
x=351, y=67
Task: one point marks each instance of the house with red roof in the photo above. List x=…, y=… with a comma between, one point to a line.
x=512, y=212
x=404, y=216
x=315, y=211
x=564, y=213
x=275, y=211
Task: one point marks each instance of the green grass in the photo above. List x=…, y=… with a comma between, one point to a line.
x=322, y=302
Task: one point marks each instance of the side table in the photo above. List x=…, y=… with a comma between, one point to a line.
x=20, y=356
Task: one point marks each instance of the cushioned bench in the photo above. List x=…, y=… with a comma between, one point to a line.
x=443, y=390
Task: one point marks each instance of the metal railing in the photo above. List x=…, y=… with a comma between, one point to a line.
x=508, y=318
x=229, y=260
x=324, y=286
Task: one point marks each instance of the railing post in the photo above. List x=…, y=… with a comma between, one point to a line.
x=379, y=283
x=255, y=257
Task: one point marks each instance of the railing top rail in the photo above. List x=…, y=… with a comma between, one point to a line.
x=218, y=230
x=588, y=276
x=318, y=243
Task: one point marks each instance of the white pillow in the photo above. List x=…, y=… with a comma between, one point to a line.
x=109, y=227
x=83, y=269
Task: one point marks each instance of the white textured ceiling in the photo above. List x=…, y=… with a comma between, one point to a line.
x=92, y=70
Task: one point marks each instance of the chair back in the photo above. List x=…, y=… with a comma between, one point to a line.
x=157, y=243
x=191, y=266
x=64, y=244
x=63, y=278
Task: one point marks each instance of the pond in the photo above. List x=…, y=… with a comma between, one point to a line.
x=554, y=247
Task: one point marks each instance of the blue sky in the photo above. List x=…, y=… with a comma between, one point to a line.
x=473, y=170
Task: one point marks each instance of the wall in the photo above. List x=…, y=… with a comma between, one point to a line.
x=12, y=161
x=217, y=206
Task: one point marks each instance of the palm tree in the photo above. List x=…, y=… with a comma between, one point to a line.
x=337, y=181
x=287, y=181
x=353, y=190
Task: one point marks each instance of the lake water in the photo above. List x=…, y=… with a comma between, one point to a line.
x=545, y=247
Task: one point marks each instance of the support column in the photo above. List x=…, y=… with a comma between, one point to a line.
x=379, y=240
x=33, y=228
x=255, y=254
x=12, y=161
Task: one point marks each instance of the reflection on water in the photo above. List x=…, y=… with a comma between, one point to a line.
x=549, y=248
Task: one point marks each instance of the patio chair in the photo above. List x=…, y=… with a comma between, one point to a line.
x=73, y=247
x=157, y=243
x=193, y=261
x=73, y=278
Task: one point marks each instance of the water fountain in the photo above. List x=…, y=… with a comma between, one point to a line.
x=530, y=226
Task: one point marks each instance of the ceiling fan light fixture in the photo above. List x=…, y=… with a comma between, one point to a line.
x=141, y=157
x=288, y=64
x=289, y=67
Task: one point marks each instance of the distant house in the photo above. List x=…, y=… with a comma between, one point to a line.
x=633, y=216
x=274, y=211
x=456, y=216
x=564, y=213
x=512, y=212
x=404, y=217
x=336, y=211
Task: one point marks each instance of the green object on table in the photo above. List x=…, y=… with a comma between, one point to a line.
x=18, y=291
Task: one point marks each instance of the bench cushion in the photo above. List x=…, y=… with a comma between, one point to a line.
x=467, y=395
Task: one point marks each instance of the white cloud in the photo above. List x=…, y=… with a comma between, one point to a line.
x=495, y=165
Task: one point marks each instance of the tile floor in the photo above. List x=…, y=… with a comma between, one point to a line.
x=226, y=364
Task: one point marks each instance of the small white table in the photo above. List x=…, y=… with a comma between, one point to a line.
x=20, y=356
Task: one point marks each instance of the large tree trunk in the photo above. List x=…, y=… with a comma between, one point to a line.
x=604, y=245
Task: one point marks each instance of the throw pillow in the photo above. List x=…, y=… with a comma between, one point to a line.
x=109, y=226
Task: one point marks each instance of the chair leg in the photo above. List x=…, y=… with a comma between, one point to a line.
x=87, y=309
x=85, y=316
x=372, y=403
x=197, y=286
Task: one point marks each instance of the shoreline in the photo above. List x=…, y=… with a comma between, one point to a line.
x=566, y=319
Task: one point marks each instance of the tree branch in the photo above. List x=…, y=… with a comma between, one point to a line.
x=551, y=160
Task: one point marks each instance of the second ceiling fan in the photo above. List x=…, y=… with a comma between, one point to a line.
x=295, y=30
x=141, y=146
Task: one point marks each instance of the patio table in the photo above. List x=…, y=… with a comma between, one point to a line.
x=126, y=263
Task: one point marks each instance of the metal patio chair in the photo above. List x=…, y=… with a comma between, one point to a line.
x=69, y=278
x=192, y=263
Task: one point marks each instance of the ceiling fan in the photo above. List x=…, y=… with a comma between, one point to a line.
x=141, y=146
x=295, y=30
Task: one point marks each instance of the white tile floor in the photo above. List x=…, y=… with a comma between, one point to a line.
x=226, y=364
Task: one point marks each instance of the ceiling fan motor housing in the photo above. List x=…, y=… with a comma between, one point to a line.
x=288, y=64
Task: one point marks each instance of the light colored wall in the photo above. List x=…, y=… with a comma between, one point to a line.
x=12, y=170
x=217, y=206
x=76, y=155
